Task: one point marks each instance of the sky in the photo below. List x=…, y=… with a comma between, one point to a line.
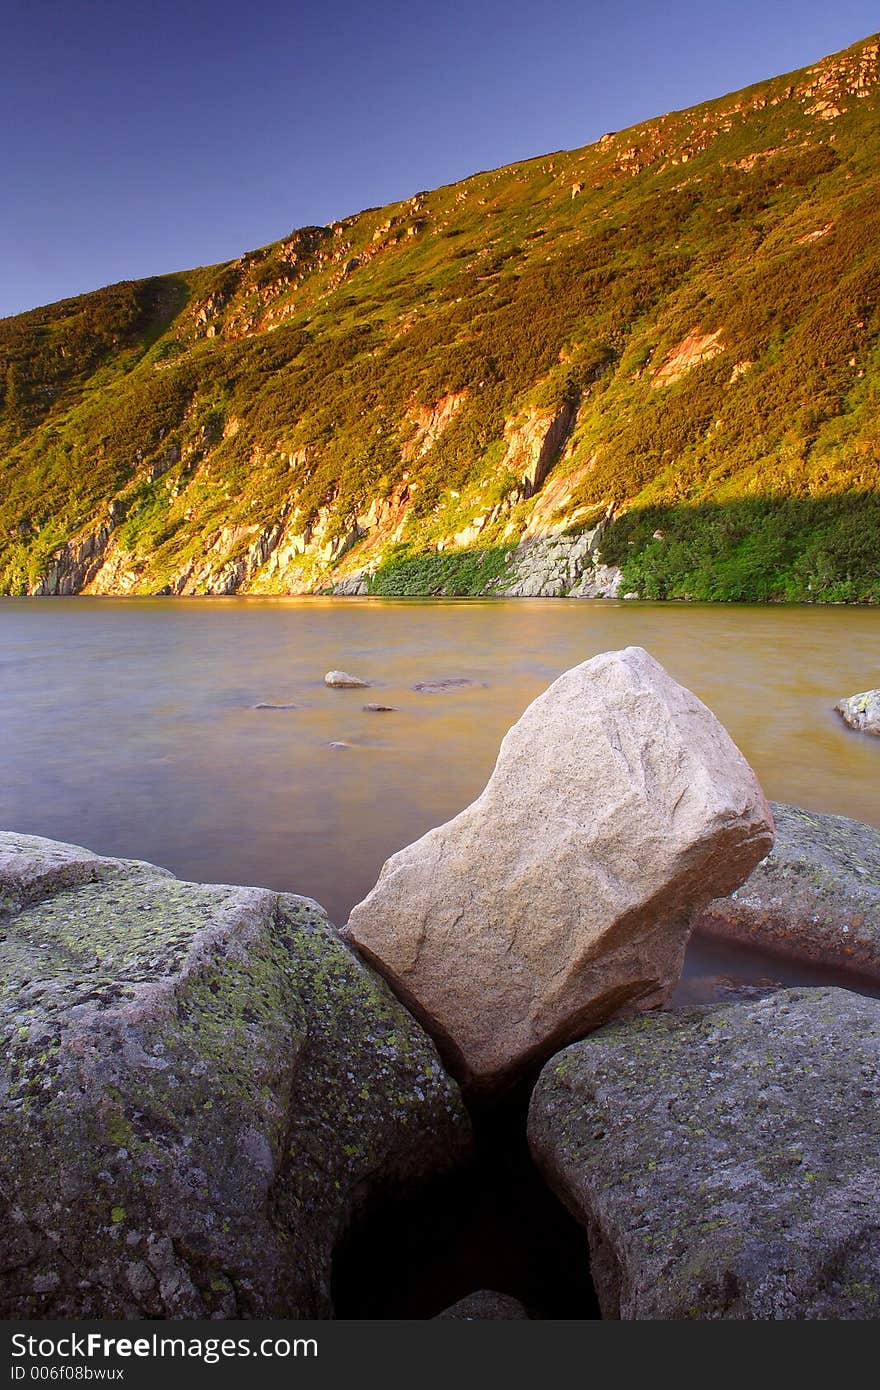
x=141, y=138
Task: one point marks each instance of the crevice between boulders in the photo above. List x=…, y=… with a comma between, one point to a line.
x=491, y=1224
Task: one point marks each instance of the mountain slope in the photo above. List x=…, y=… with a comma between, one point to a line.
x=660, y=352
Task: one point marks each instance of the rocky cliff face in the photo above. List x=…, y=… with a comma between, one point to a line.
x=74, y=565
x=293, y=556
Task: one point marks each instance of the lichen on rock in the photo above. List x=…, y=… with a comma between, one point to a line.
x=861, y=712
x=816, y=896
x=201, y=1087
x=724, y=1160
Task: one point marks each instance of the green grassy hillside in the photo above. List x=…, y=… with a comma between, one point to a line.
x=674, y=332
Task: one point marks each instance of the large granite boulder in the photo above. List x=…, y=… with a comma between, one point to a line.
x=861, y=712
x=816, y=897
x=724, y=1161
x=564, y=894
x=200, y=1087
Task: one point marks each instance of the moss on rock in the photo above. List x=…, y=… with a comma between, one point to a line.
x=724, y=1160
x=200, y=1087
x=816, y=897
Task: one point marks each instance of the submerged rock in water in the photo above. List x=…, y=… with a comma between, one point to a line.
x=379, y=709
x=861, y=712
x=724, y=1161
x=443, y=684
x=564, y=894
x=201, y=1087
x=341, y=680
x=816, y=897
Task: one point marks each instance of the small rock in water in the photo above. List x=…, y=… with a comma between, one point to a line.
x=262, y=706
x=564, y=895
x=439, y=687
x=341, y=680
x=486, y=1305
x=714, y=989
x=339, y=744
x=861, y=712
x=379, y=709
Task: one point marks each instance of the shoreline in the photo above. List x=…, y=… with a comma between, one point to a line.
x=632, y=601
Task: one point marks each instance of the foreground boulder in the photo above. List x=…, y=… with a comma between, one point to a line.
x=816, y=897
x=564, y=894
x=724, y=1161
x=200, y=1087
x=861, y=712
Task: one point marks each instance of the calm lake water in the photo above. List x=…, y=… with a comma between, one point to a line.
x=129, y=725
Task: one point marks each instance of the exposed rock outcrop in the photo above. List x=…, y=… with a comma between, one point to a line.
x=724, y=1160
x=603, y=581
x=201, y=1086
x=564, y=894
x=816, y=897
x=236, y=555
x=533, y=444
x=353, y=585
x=560, y=567
x=427, y=424
x=74, y=564
x=692, y=351
x=861, y=712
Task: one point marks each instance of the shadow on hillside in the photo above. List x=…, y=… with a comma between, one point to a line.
x=762, y=549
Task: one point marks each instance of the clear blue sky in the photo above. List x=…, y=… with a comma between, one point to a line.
x=143, y=136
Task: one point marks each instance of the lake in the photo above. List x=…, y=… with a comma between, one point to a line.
x=129, y=725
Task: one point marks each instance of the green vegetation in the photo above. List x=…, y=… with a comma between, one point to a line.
x=457, y=573
x=765, y=550
x=704, y=290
